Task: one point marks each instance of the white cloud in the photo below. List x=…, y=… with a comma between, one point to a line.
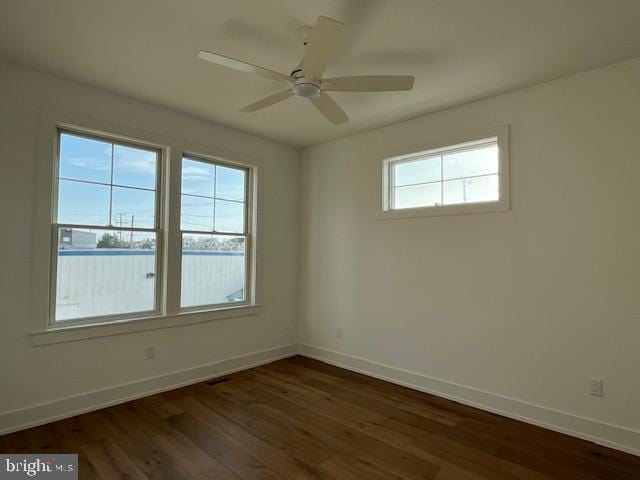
x=90, y=163
x=135, y=161
x=190, y=172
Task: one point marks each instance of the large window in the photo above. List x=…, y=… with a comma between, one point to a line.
x=106, y=231
x=213, y=222
x=452, y=178
x=115, y=259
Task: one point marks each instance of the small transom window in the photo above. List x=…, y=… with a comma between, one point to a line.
x=446, y=179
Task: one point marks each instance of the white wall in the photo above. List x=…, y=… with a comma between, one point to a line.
x=526, y=304
x=39, y=375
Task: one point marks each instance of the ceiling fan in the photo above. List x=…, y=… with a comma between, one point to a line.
x=321, y=43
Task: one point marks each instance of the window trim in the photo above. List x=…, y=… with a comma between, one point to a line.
x=40, y=330
x=433, y=147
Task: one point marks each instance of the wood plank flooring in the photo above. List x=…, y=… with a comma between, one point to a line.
x=302, y=419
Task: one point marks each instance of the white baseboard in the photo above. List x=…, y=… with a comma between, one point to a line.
x=613, y=436
x=608, y=435
x=68, y=407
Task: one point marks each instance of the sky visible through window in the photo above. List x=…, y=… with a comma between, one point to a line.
x=104, y=184
x=109, y=185
x=213, y=197
x=447, y=178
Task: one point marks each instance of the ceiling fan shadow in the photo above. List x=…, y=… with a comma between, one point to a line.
x=384, y=61
x=358, y=14
x=272, y=41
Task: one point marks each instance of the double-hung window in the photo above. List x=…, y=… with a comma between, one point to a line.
x=106, y=233
x=465, y=177
x=135, y=236
x=214, y=230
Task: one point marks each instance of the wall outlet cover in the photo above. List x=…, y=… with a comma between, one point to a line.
x=150, y=353
x=596, y=387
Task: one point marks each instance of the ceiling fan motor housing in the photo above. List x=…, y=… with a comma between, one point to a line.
x=303, y=87
x=306, y=89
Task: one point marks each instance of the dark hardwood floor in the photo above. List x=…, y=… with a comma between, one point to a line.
x=302, y=419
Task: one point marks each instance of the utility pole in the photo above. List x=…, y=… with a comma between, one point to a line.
x=464, y=189
x=131, y=234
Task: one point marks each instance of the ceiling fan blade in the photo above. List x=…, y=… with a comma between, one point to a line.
x=329, y=108
x=265, y=102
x=368, y=83
x=324, y=40
x=243, y=66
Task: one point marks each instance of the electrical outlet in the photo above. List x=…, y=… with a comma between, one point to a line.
x=338, y=332
x=150, y=353
x=595, y=387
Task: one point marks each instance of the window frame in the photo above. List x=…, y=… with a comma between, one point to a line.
x=40, y=329
x=55, y=226
x=247, y=233
x=437, y=147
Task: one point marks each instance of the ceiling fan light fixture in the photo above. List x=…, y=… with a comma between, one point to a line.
x=306, y=90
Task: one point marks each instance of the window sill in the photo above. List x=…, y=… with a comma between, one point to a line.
x=72, y=333
x=487, y=207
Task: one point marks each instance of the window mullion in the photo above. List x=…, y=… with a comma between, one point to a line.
x=441, y=179
x=215, y=176
x=391, y=186
x=173, y=235
x=111, y=188
x=107, y=227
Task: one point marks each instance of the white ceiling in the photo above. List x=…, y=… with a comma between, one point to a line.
x=459, y=50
